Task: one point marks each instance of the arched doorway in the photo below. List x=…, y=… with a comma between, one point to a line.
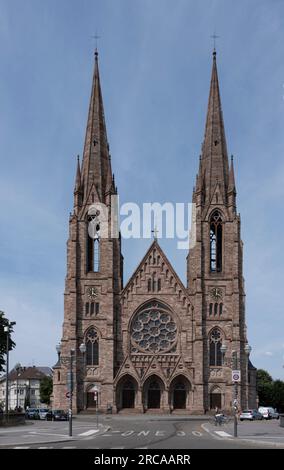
x=179, y=396
x=91, y=403
x=215, y=398
x=179, y=390
x=128, y=394
x=126, y=391
x=152, y=392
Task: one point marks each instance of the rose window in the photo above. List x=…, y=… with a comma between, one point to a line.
x=153, y=329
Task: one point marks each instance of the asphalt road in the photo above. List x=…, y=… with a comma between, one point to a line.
x=141, y=432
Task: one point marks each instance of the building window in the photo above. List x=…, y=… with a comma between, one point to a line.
x=87, y=308
x=210, y=309
x=58, y=376
x=215, y=347
x=97, y=308
x=93, y=243
x=32, y=392
x=92, y=308
x=159, y=284
x=96, y=255
x=149, y=285
x=92, y=342
x=154, y=282
x=216, y=242
x=216, y=309
x=220, y=309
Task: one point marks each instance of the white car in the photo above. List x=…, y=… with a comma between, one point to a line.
x=43, y=412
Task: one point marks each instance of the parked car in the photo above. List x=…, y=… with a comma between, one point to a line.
x=57, y=415
x=43, y=412
x=250, y=415
x=268, y=412
x=32, y=413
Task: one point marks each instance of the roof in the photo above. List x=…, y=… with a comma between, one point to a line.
x=29, y=373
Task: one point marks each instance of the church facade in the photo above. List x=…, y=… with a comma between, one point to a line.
x=155, y=344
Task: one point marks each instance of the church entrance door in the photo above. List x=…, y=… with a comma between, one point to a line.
x=128, y=395
x=154, y=394
x=179, y=399
x=90, y=400
x=215, y=401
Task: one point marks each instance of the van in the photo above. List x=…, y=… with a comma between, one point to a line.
x=265, y=411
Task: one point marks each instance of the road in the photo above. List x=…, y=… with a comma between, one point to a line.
x=141, y=432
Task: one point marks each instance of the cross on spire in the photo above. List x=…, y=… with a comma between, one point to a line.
x=214, y=37
x=96, y=37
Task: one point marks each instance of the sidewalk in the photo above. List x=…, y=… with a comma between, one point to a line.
x=268, y=433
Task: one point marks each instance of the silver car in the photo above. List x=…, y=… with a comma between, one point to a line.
x=43, y=412
x=250, y=415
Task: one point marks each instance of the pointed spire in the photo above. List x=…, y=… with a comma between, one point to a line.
x=232, y=185
x=214, y=148
x=96, y=162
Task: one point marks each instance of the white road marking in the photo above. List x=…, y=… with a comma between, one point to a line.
x=45, y=447
x=106, y=435
x=121, y=447
x=143, y=433
x=69, y=447
x=223, y=434
x=127, y=433
x=22, y=447
x=89, y=433
x=197, y=433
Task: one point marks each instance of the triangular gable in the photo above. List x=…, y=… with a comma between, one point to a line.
x=155, y=246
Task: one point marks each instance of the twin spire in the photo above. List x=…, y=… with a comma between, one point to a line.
x=214, y=166
x=96, y=165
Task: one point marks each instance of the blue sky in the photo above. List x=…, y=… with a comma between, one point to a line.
x=155, y=64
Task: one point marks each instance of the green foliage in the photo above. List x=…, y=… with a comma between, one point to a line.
x=270, y=392
x=45, y=390
x=3, y=340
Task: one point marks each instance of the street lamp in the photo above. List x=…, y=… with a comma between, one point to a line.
x=18, y=370
x=83, y=349
x=72, y=351
x=248, y=351
x=7, y=331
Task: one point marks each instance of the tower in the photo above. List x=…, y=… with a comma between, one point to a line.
x=215, y=268
x=94, y=271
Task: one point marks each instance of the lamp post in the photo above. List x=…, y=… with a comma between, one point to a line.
x=7, y=331
x=18, y=370
x=248, y=351
x=72, y=351
x=83, y=349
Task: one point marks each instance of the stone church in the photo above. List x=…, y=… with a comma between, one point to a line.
x=155, y=344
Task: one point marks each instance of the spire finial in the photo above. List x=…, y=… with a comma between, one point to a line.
x=96, y=37
x=214, y=36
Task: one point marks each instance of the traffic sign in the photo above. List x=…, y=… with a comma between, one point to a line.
x=236, y=375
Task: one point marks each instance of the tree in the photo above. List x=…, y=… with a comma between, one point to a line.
x=264, y=383
x=3, y=339
x=278, y=395
x=45, y=390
